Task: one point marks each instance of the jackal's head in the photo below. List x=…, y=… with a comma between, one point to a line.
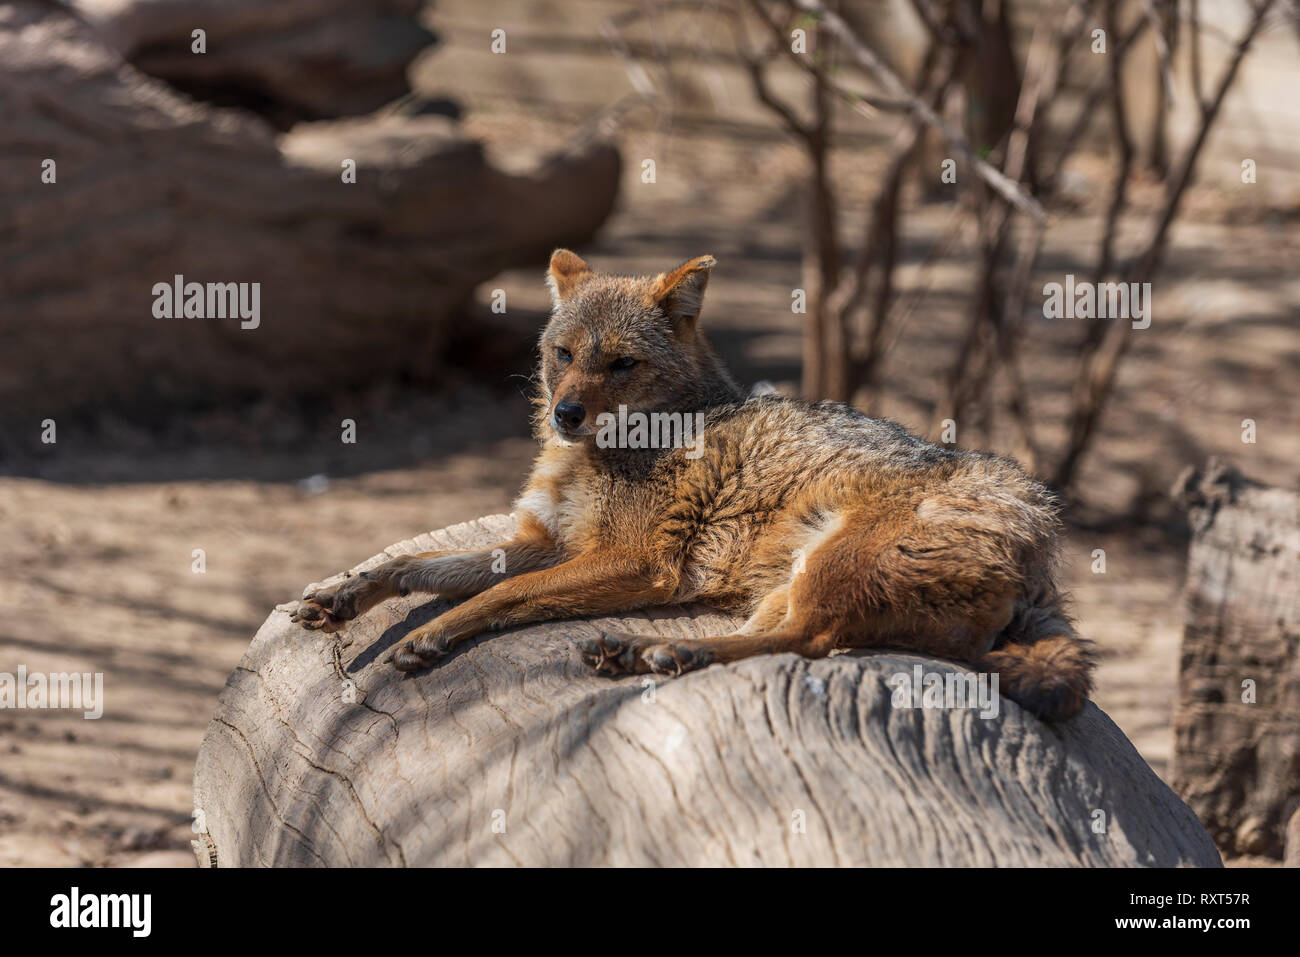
x=625, y=341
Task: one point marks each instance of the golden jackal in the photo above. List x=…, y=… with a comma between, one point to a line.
x=827, y=528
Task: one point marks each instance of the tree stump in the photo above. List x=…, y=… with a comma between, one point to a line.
x=512, y=752
x=1237, y=722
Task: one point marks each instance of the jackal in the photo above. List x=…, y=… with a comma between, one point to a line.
x=826, y=528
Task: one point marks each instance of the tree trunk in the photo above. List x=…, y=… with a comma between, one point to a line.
x=1237, y=723
x=513, y=752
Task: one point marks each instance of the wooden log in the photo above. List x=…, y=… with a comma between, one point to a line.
x=1237, y=720
x=512, y=752
x=356, y=281
x=1292, y=855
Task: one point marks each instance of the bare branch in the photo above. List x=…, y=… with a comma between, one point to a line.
x=1045, y=64
x=1096, y=379
x=1162, y=49
x=834, y=24
x=880, y=240
x=756, y=64
x=1198, y=82
x=860, y=102
x=1119, y=192
x=1095, y=92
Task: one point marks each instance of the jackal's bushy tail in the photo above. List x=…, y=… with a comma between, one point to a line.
x=1042, y=663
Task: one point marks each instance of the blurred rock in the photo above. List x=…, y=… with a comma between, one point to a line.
x=288, y=60
x=357, y=282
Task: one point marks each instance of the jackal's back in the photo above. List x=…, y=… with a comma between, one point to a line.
x=775, y=473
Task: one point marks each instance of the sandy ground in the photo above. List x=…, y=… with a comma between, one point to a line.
x=97, y=556
x=99, y=596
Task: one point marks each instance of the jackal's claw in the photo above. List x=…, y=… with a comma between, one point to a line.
x=677, y=657
x=612, y=654
x=405, y=658
x=315, y=617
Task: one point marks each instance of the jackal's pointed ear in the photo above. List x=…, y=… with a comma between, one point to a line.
x=680, y=293
x=565, y=274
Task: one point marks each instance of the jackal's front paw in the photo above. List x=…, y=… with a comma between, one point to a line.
x=612, y=653
x=422, y=649
x=324, y=609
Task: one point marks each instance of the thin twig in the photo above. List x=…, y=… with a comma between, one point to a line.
x=1162, y=50
x=859, y=102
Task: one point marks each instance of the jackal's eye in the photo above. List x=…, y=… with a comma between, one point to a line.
x=623, y=364
x=564, y=355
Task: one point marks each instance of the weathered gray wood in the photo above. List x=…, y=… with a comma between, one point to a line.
x=1236, y=761
x=716, y=767
x=1292, y=856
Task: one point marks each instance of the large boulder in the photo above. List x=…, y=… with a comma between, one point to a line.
x=112, y=183
x=288, y=59
x=513, y=752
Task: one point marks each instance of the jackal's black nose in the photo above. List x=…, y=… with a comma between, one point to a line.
x=569, y=415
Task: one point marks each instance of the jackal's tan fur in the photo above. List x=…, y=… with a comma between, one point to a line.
x=827, y=528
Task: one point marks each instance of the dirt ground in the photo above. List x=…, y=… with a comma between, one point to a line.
x=97, y=557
